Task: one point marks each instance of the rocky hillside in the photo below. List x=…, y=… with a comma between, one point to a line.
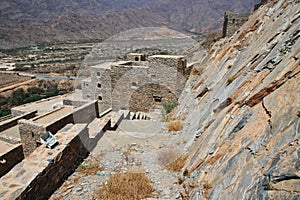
x=243, y=111
x=23, y=22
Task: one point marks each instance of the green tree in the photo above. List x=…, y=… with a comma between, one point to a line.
x=3, y=100
x=169, y=105
x=17, y=97
x=35, y=91
x=4, y=112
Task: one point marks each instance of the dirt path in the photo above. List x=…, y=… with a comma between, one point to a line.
x=136, y=146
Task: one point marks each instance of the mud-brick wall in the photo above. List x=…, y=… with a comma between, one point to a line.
x=11, y=158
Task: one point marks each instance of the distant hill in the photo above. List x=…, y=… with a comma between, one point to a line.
x=23, y=22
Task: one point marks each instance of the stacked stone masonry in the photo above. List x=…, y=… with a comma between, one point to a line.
x=136, y=85
x=232, y=22
x=32, y=130
x=40, y=174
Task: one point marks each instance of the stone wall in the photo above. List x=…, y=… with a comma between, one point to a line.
x=178, y=62
x=30, y=134
x=134, y=87
x=101, y=88
x=113, y=84
x=136, y=57
x=98, y=87
x=125, y=80
x=145, y=96
x=40, y=174
x=31, y=131
x=87, y=89
x=118, y=72
x=232, y=22
x=69, y=102
x=86, y=113
x=11, y=158
x=14, y=121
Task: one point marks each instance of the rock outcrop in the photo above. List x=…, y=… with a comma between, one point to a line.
x=244, y=111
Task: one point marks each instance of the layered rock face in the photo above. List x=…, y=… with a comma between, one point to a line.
x=243, y=111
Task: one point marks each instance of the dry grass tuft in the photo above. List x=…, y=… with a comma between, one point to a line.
x=175, y=125
x=207, y=186
x=178, y=164
x=196, y=72
x=90, y=167
x=124, y=186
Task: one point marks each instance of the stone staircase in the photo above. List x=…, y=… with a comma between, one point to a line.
x=139, y=116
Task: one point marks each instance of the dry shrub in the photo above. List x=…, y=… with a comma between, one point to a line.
x=178, y=164
x=175, y=125
x=196, y=72
x=207, y=186
x=124, y=186
x=90, y=167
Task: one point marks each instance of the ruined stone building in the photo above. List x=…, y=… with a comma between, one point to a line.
x=232, y=22
x=137, y=83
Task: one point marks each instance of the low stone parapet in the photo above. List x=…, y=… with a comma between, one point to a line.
x=41, y=173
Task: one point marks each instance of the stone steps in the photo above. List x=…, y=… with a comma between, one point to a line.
x=139, y=116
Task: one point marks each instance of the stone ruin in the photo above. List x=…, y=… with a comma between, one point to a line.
x=135, y=84
x=232, y=22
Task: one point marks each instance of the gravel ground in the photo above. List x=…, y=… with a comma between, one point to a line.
x=136, y=146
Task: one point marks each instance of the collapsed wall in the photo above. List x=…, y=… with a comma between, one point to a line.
x=243, y=111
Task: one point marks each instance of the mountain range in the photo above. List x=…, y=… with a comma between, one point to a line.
x=25, y=22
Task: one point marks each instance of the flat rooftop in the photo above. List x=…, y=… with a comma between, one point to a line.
x=6, y=147
x=12, y=132
x=167, y=56
x=53, y=116
x=46, y=105
x=105, y=65
x=136, y=54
